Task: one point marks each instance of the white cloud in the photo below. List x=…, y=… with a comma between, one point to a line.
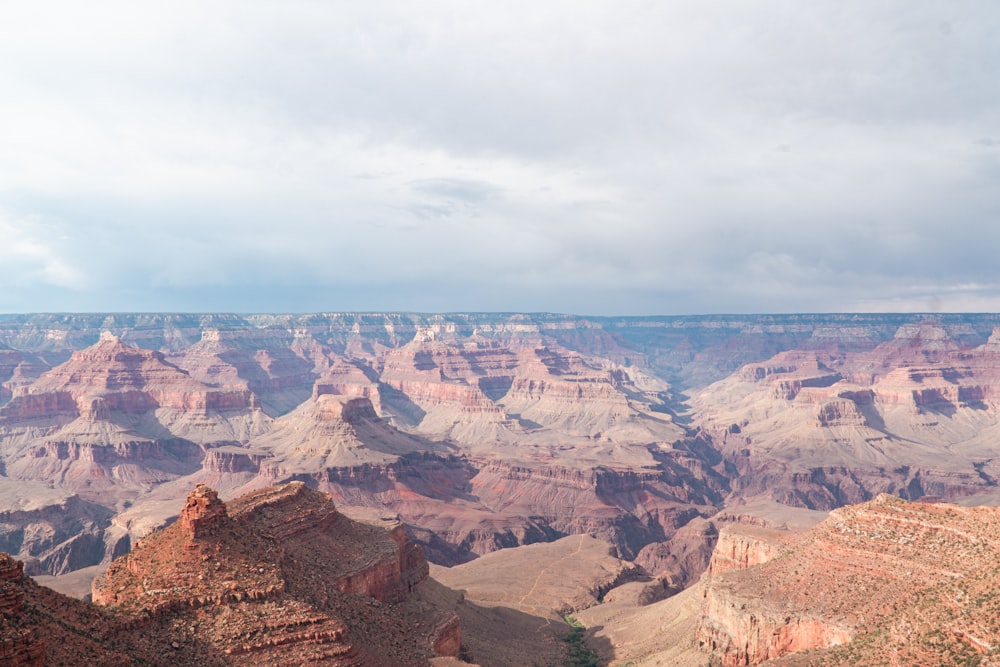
x=654, y=156
x=33, y=252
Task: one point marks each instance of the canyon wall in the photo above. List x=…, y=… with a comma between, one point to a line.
x=883, y=580
x=484, y=431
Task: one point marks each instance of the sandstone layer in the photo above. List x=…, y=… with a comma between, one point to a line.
x=917, y=416
x=884, y=582
x=279, y=577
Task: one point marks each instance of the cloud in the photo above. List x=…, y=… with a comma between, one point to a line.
x=34, y=252
x=641, y=156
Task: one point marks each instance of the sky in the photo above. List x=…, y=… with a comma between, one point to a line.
x=626, y=157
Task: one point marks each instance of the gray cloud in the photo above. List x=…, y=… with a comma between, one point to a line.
x=566, y=156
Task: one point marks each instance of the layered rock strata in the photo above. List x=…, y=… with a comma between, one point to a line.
x=19, y=646
x=916, y=416
x=883, y=582
x=295, y=581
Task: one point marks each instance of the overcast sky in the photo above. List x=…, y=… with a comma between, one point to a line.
x=637, y=157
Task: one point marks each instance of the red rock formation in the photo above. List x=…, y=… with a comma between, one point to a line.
x=19, y=646
x=885, y=580
x=914, y=416
x=441, y=389
x=279, y=372
x=742, y=546
x=299, y=582
x=333, y=431
x=114, y=421
x=11, y=599
x=203, y=514
x=344, y=379
x=124, y=378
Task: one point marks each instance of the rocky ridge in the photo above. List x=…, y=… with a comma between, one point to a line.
x=915, y=416
x=278, y=577
x=884, y=582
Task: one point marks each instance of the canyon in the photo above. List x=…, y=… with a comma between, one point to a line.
x=694, y=451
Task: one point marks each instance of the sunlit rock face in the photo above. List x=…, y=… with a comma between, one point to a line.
x=887, y=580
x=279, y=576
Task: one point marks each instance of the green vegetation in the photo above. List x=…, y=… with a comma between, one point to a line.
x=577, y=653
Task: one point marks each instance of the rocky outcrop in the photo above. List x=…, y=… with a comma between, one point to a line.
x=296, y=579
x=19, y=645
x=847, y=587
x=203, y=514
x=741, y=546
x=740, y=637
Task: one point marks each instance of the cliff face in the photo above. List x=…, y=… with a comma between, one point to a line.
x=56, y=532
x=740, y=633
x=885, y=578
x=626, y=508
x=741, y=546
x=114, y=421
x=742, y=638
x=914, y=416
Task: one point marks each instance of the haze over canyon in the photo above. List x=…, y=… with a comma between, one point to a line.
x=393, y=488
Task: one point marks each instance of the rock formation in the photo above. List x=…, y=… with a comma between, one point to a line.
x=916, y=416
x=19, y=646
x=278, y=577
x=117, y=419
x=279, y=375
x=203, y=514
x=913, y=583
x=484, y=432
